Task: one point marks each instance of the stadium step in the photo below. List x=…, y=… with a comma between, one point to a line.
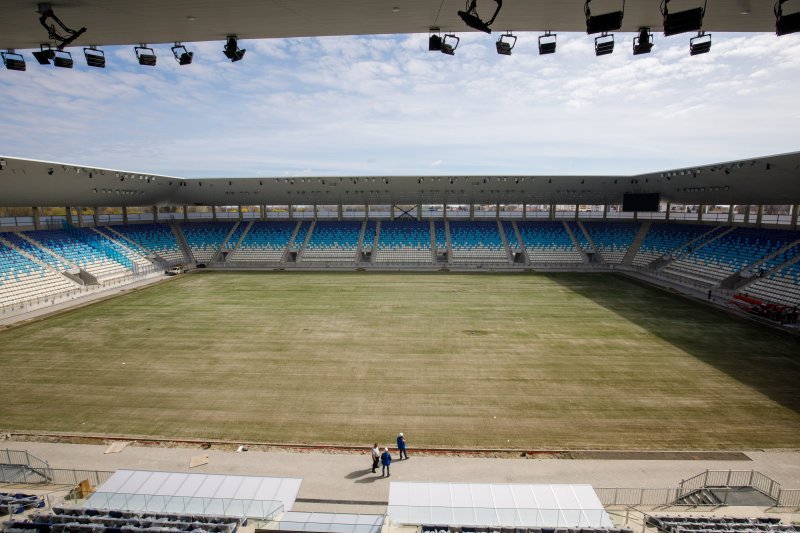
x=521, y=242
x=637, y=242
x=506, y=246
x=187, y=251
x=575, y=243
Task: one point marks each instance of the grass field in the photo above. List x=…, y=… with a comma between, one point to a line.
x=465, y=360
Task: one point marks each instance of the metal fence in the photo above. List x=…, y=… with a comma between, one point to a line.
x=789, y=498
x=23, y=474
x=731, y=479
x=636, y=496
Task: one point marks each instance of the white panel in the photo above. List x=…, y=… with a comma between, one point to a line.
x=565, y=497
x=208, y=488
x=171, y=484
x=523, y=496
x=190, y=485
x=481, y=495
x=133, y=483
x=153, y=482
x=545, y=497
x=419, y=494
x=462, y=497
x=116, y=480
x=228, y=487
x=248, y=488
x=398, y=493
x=502, y=496
x=441, y=495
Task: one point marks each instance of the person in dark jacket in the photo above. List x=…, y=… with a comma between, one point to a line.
x=401, y=446
x=386, y=461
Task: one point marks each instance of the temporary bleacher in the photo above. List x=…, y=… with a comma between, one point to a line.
x=665, y=238
x=332, y=242
x=477, y=242
x=265, y=242
x=114, y=521
x=612, y=239
x=73, y=247
x=404, y=241
x=730, y=253
x=718, y=524
x=781, y=286
x=155, y=238
x=17, y=502
x=205, y=238
x=548, y=242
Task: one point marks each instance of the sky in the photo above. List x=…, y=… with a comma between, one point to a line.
x=385, y=105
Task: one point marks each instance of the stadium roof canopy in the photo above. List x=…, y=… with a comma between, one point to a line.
x=117, y=22
x=765, y=180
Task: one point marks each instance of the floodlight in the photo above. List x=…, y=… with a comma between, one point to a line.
x=182, y=55
x=94, y=57
x=62, y=58
x=44, y=55
x=13, y=61
x=145, y=55
x=682, y=21
x=435, y=40
x=602, y=23
x=471, y=18
x=547, y=43
x=506, y=43
x=604, y=44
x=700, y=44
x=232, y=50
x=643, y=43
x=448, y=47
x=785, y=23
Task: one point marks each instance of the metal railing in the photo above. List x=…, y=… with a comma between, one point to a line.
x=29, y=475
x=636, y=496
x=788, y=498
x=731, y=479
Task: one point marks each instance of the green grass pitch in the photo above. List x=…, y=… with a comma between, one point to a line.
x=532, y=361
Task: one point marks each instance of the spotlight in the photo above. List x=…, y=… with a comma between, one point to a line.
x=604, y=44
x=785, y=23
x=145, y=55
x=232, y=50
x=547, y=43
x=471, y=18
x=62, y=59
x=94, y=57
x=448, y=47
x=13, y=61
x=643, y=43
x=44, y=55
x=434, y=41
x=682, y=21
x=182, y=55
x=700, y=44
x=506, y=43
x=602, y=23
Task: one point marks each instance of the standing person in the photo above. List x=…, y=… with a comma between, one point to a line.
x=386, y=461
x=401, y=446
x=376, y=457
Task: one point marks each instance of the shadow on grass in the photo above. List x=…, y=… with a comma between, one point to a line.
x=760, y=357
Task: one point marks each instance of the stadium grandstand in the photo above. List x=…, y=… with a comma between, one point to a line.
x=565, y=354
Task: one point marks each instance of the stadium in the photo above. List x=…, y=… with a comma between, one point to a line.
x=584, y=353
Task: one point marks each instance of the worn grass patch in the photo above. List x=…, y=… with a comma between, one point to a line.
x=466, y=360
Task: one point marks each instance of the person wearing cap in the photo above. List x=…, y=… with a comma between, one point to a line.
x=401, y=446
x=386, y=461
x=376, y=457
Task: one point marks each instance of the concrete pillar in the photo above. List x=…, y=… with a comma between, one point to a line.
x=262, y=212
x=669, y=207
x=497, y=211
x=340, y=211
x=96, y=216
x=795, y=208
x=240, y=213
x=37, y=223
x=391, y=211
x=472, y=211
x=700, y=209
x=759, y=215
x=605, y=211
x=419, y=211
x=577, y=210
x=214, y=213
x=636, y=215
x=524, y=211
x=444, y=210
x=185, y=213
x=80, y=216
x=366, y=211
x=290, y=208
x=315, y=211
x=551, y=215
x=747, y=214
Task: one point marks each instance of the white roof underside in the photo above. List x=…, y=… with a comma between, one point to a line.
x=494, y=504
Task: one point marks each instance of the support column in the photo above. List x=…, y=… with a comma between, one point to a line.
x=69, y=216
x=124, y=214
x=96, y=216
x=636, y=215
x=730, y=214
x=577, y=210
x=391, y=211
x=444, y=210
x=700, y=209
x=340, y=211
x=240, y=213
x=497, y=211
x=315, y=211
x=795, y=208
x=747, y=214
x=185, y=213
x=290, y=208
x=524, y=211
x=472, y=211
x=605, y=211
x=419, y=211
x=262, y=211
x=214, y=213
x=759, y=215
x=80, y=216
x=366, y=211
x=669, y=210
x=551, y=215
x=37, y=223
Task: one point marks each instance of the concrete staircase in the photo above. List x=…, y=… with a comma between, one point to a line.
x=637, y=243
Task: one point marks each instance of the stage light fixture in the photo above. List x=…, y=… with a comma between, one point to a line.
x=604, y=44
x=547, y=43
x=643, y=43
x=434, y=40
x=44, y=55
x=232, y=50
x=700, y=44
x=182, y=55
x=62, y=59
x=145, y=55
x=603, y=23
x=471, y=18
x=448, y=46
x=13, y=60
x=94, y=57
x=62, y=40
x=506, y=43
x=785, y=24
x=682, y=21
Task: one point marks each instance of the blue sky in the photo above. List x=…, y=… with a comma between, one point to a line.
x=384, y=105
